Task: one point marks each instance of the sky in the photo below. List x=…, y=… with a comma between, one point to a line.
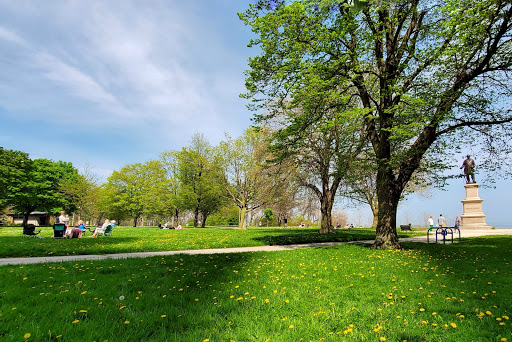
x=103, y=84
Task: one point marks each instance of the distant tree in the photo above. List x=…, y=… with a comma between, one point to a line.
x=136, y=190
x=246, y=179
x=268, y=214
x=83, y=192
x=200, y=183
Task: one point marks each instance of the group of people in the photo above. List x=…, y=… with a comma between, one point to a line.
x=441, y=221
x=167, y=225
x=77, y=231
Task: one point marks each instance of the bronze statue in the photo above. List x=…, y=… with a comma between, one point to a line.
x=469, y=169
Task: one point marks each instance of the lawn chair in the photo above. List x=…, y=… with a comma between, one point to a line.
x=59, y=230
x=30, y=230
x=107, y=231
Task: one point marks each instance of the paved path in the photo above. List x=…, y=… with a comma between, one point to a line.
x=37, y=260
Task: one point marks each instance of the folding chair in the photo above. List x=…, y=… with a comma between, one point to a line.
x=59, y=230
x=30, y=230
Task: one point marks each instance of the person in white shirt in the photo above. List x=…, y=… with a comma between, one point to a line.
x=431, y=222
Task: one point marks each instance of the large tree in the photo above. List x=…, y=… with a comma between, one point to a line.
x=35, y=184
x=427, y=74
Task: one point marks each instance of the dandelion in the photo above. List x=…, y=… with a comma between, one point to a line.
x=83, y=311
x=422, y=309
x=453, y=325
x=163, y=316
x=434, y=313
x=121, y=298
x=75, y=321
x=382, y=338
x=488, y=313
x=27, y=335
x=126, y=322
x=291, y=326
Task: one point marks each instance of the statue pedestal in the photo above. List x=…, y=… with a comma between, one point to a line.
x=472, y=215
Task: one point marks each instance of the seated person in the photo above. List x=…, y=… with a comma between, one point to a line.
x=76, y=233
x=101, y=229
x=81, y=225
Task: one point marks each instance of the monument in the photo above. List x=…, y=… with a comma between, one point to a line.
x=472, y=215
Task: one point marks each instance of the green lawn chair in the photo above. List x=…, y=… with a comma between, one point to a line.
x=107, y=231
x=59, y=230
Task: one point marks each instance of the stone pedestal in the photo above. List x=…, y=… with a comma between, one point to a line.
x=472, y=215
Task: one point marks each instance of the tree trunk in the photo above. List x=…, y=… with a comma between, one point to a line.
x=25, y=218
x=203, y=222
x=196, y=216
x=326, y=203
x=375, y=212
x=135, y=221
x=388, y=197
x=243, y=212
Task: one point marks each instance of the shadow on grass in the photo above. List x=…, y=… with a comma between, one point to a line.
x=298, y=236
x=12, y=247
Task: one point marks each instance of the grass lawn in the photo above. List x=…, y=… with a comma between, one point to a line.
x=459, y=292
x=129, y=239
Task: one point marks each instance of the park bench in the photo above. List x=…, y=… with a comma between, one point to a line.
x=30, y=230
x=443, y=231
x=406, y=227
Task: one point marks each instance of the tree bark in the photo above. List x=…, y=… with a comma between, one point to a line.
x=243, y=212
x=388, y=197
x=203, y=222
x=326, y=203
x=135, y=221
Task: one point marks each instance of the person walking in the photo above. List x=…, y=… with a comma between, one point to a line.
x=431, y=222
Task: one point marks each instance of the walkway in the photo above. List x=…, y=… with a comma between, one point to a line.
x=37, y=260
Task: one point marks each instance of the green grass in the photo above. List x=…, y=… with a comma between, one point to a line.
x=129, y=239
x=459, y=292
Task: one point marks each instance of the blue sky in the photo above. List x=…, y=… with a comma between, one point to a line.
x=108, y=83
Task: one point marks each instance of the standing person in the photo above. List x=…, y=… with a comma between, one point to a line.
x=64, y=218
x=457, y=222
x=431, y=221
x=441, y=221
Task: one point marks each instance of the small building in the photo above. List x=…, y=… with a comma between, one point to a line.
x=37, y=218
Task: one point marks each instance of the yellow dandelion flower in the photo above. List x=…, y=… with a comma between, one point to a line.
x=382, y=338
x=488, y=312
x=27, y=335
x=83, y=311
x=163, y=316
x=453, y=325
x=422, y=309
x=75, y=321
x=434, y=313
x=504, y=339
x=291, y=326
x=126, y=322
